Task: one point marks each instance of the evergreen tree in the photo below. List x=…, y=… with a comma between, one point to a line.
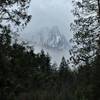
x=86, y=31
x=63, y=66
x=85, y=52
x=64, y=71
x=44, y=62
x=10, y=14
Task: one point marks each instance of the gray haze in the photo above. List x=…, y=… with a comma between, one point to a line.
x=48, y=13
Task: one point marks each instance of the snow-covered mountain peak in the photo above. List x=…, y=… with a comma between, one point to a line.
x=52, y=38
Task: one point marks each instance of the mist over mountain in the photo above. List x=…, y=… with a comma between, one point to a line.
x=51, y=40
x=45, y=15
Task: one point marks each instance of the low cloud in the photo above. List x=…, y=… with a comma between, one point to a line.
x=47, y=13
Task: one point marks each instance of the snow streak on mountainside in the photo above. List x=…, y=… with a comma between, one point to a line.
x=51, y=39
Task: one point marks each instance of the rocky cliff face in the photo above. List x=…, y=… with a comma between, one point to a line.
x=53, y=42
x=52, y=39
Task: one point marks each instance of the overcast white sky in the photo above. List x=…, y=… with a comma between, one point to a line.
x=47, y=13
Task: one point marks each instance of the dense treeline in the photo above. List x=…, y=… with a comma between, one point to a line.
x=25, y=75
